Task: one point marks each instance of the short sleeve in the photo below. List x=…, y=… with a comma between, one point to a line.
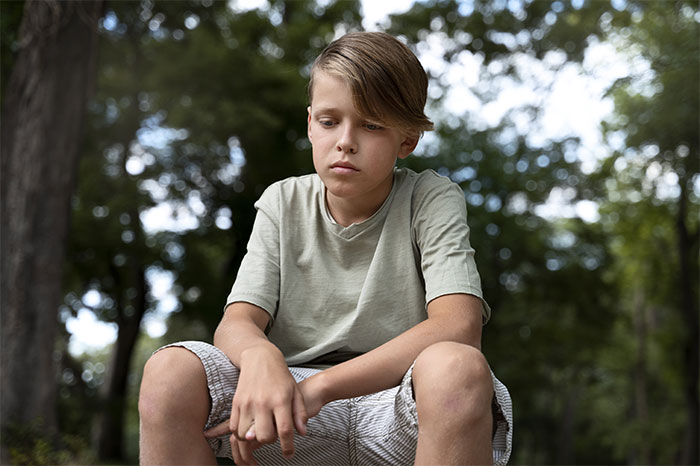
x=441, y=234
x=258, y=279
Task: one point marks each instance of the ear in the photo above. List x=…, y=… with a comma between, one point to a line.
x=407, y=146
x=308, y=123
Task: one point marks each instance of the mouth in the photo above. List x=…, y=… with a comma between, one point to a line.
x=344, y=168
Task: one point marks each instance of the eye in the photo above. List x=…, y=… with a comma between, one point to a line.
x=373, y=127
x=326, y=123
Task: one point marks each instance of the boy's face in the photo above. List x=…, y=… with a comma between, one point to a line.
x=353, y=156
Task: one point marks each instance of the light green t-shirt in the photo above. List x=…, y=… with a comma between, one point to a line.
x=335, y=292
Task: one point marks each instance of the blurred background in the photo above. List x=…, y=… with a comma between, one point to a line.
x=136, y=136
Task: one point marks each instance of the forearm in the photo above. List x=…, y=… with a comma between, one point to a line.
x=384, y=366
x=240, y=330
x=268, y=404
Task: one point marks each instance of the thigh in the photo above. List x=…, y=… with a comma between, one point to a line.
x=385, y=425
x=222, y=380
x=326, y=441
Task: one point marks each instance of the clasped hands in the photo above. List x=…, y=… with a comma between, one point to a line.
x=267, y=407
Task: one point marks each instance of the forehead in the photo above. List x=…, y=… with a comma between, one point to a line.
x=330, y=91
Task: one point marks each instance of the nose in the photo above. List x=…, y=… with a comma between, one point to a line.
x=347, y=141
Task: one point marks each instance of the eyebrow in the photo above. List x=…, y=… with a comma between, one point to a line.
x=332, y=111
x=323, y=110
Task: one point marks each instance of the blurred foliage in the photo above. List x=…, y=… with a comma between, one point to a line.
x=649, y=214
x=31, y=445
x=603, y=312
x=161, y=132
x=10, y=18
x=199, y=107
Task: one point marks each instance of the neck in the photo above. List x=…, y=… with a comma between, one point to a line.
x=346, y=211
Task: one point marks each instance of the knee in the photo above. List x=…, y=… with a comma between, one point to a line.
x=173, y=385
x=452, y=380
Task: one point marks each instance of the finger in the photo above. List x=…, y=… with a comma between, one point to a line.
x=234, y=420
x=238, y=458
x=245, y=429
x=265, y=431
x=253, y=444
x=235, y=452
x=299, y=412
x=218, y=430
x=246, y=453
x=241, y=423
x=285, y=430
x=250, y=435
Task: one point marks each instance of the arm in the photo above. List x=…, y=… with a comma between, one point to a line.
x=267, y=394
x=454, y=317
x=441, y=234
x=241, y=329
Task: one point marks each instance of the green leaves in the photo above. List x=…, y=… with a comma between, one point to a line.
x=200, y=107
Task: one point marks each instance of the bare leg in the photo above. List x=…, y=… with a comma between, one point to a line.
x=453, y=390
x=174, y=405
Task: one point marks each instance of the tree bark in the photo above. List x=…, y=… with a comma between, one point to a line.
x=691, y=346
x=641, y=399
x=42, y=119
x=567, y=432
x=108, y=425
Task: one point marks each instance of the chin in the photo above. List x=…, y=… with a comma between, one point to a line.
x=340, y=190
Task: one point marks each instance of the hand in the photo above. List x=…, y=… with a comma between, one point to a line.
x=242, y=450
x=312, y=390
x=312, y=394
x=268, y=404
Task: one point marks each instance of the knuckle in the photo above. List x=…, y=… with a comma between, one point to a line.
x=285, y=430
x=241, y=405
x=282, y=397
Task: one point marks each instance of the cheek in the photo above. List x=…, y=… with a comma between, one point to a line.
x=316, y=156
x=321, y=142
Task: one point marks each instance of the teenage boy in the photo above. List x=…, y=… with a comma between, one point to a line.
x=352, y=333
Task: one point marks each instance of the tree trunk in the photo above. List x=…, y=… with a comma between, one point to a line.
x=641, y=399
x=42, y=119
x=691, y=346
x=567, y=431
x=108, y=426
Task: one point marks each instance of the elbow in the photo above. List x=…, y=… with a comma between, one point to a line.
x=467, y=333
x=224, y=326
x=459, y=317
x=460, y=330
x=218, y=335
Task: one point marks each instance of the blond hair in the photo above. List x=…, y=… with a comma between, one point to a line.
x=387, y=81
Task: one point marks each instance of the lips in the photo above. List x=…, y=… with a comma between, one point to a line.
x=344, y=168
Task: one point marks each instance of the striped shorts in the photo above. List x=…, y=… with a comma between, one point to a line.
x=376, y=429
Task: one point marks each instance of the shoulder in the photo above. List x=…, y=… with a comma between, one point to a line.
x=304, y=183
x=434, y=202
x=290, y=191
x=425, y=180
x=427, y=187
